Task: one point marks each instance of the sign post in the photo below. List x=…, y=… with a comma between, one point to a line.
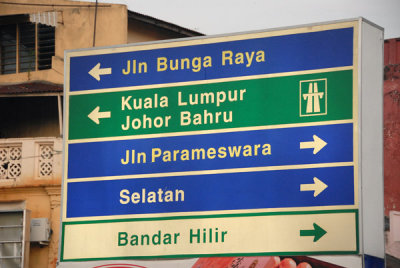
x=246, y=144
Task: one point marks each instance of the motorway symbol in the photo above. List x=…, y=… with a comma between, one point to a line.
x=95, y=115
x=318, y=186
x=317, y=144
x=96, y=71
x=313, y=97
x=317, y=232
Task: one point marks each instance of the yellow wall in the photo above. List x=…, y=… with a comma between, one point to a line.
x=41, y=195
x=43, y=202
x=74, y=30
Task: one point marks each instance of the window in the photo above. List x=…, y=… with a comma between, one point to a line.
x=14, y=245
x=24, y=45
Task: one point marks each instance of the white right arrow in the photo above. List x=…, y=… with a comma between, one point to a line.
x=317, y=144
x=96, y=71
x=95, y=115
x=318, y=186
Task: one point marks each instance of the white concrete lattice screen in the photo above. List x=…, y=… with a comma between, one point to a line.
x=46, y=158
x=10, y=162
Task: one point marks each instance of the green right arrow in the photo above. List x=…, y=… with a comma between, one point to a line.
x=318, y=232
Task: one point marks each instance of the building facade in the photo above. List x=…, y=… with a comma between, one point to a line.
x=391, y=148
x=33, y=37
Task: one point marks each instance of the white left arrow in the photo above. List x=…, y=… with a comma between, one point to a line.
x=317, y=144
x=95, y=115
x=318, y=186
x=96, y=71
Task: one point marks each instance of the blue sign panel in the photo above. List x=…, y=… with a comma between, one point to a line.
x=230, y=191
x=271, y=147
x=277, y=54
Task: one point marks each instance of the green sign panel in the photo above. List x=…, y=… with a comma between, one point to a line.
x=245, y=103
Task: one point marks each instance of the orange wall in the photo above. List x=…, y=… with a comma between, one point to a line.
x=74, y=30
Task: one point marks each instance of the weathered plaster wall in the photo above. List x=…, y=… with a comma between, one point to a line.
x=75, y=29
x=392, y=125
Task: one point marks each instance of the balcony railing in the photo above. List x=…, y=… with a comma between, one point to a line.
x=25, y=159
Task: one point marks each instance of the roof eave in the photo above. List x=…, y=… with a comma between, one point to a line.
x=163, y=24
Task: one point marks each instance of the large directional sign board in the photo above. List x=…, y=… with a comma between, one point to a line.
x=245, y=144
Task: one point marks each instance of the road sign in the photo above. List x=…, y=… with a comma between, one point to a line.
x=309, y=187
x=292, y=233
x=243, y=144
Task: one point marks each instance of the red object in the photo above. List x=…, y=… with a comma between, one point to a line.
x=392, y=125
x=238, y=262
x=119, y=266
x=304, y=265
x=287, y=263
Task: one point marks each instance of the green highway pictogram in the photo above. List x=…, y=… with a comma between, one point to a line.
x=245, y=103
x=313, y=97
x=317, y=232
